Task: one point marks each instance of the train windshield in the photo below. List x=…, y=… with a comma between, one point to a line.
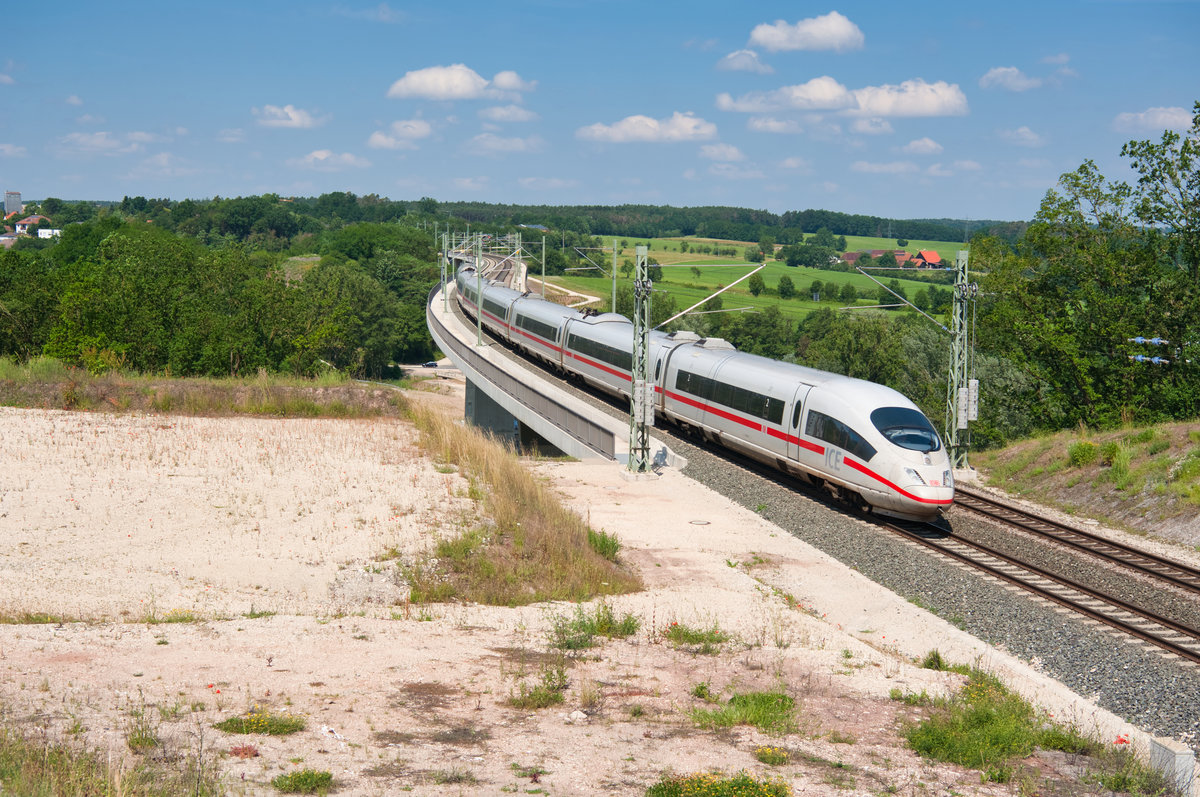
x=906, y=428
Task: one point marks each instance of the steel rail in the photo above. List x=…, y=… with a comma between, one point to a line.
x=1191, y=653
x=1144, y=562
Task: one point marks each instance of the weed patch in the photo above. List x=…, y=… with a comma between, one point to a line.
x=770, y=712
x=713, y=784
x=305, y=781
x=262, y=721
x=579, y=631
x=696, y=640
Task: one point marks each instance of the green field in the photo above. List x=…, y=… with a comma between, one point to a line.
x=680, y=282
x=666, y=250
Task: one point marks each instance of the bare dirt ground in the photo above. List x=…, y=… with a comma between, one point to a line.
x=207, y=566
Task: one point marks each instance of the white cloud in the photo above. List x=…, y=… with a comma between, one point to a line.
x=231, y=135
x=457, y=82
x=922, y=146
x=6, y=80
x=721, y=152
x=324, y=160
x=492, y=144
x=12, y=151
x=895, y=167
x=401, y=134
x=99, y=143
x=509, y=80
x=1022, y=137
x=767, y=124
x=88, y=119
x=830, y=32
x=744, y=61
x=508, y=113
x=74, y=100
x=1153, y=120
x=819, y=94
x=286, y=116
x=471, y=183
x=731, y=172
x=546, y=183
x=680, y=127
x=454, y=82
x=795, y=162
x=1010, y=78
x=380, y=13
x=967, y=166
x=873, y=126
x=912, y=98
x=938, y=170
x=1061, y=58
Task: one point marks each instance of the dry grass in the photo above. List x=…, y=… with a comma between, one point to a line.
x=533, y=549
x=44, y=383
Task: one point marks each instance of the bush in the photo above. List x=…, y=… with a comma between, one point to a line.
x=1108, y=452
x=1082, y=453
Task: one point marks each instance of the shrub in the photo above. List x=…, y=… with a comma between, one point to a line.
x=1082, y=453
x=579, y=631
x=1108, y=452
x=605, y=544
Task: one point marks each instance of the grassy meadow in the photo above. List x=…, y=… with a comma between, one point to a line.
x=681, y=282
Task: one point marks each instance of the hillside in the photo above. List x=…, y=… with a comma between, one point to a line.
x=1145, y=480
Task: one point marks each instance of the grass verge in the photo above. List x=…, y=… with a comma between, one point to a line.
x=45, y=383
x=989, y=728
x=534, y=549
x=262, y=721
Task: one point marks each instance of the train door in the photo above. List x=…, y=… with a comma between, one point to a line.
x=794, y=422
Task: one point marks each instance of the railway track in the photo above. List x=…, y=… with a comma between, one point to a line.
x=1143, y=562
x=1171, y=636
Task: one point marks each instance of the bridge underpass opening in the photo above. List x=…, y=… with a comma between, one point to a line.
x=485, y=413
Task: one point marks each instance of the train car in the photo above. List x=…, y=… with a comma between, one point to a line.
x=599, y=349
x=866, y=443
x=538, y=327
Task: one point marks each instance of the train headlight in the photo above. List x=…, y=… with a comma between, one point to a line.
x=912, y=474
x=948, y=479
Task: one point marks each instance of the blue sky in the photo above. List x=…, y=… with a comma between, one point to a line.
x=904, y=110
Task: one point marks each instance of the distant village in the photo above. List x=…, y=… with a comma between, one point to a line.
x=17, y=224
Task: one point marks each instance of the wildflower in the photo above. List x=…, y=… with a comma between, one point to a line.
x=1122, y=739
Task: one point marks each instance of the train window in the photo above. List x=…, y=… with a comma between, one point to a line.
x=547, y=331
x=657, y=369
x=906, y=428
x=494, y=307
x=796, y=415
x=738, y=398
x=836, y=433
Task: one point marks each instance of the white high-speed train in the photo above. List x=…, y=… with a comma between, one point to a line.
x=866, y=443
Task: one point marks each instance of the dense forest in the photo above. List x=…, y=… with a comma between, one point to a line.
x=233, y=285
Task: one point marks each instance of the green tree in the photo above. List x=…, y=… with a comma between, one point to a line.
x=787, y=288
x=848, y=294
x=1168, y=189
x=815, y=288
x=755, y=284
